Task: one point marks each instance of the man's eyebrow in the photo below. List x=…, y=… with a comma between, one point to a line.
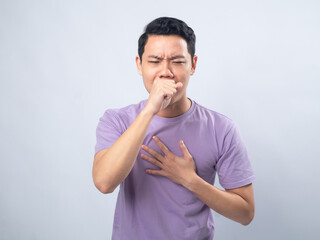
x=160, y=58
x=154, y=56
x=175, y=57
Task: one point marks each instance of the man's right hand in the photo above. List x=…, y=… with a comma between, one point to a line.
x=161, y=94
x=113, y=165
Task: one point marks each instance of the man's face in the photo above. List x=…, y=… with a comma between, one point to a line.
x=166, y=57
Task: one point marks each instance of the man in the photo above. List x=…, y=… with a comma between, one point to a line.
x=164, y=152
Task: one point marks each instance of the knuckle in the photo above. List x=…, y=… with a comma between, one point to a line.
x=163, y=173
x=171, y=158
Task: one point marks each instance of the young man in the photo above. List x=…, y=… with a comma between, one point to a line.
x=165, y=151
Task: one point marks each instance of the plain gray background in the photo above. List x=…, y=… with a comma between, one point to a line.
x=63, y=63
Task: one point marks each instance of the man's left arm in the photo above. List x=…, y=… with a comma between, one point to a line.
x=236, y=204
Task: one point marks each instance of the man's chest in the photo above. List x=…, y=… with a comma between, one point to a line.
x=199, y=140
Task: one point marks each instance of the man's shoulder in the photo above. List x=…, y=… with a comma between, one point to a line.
x=206, y=113
x=129, y=110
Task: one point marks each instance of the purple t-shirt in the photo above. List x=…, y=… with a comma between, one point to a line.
x=154, y=207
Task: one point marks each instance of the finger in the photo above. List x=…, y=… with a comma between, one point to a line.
x=152, y=152
x=168, y=95
x=169, y=91
x=161, y=145
x=184, y=149
x=166, y=81
x=179, y=85
x=155, y=172
x=151, y=160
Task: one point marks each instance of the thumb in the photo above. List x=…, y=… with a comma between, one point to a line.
x=179, y=85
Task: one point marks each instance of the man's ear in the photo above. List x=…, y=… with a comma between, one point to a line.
x=139, y=67
x=194, y=64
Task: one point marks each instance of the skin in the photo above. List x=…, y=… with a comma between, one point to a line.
x=166, y=67
x=236, y=204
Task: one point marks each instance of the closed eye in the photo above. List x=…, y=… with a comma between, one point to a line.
x=153, y=61
x=178, y=62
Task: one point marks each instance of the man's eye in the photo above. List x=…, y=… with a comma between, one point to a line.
x=179, y=62
x=153, y=61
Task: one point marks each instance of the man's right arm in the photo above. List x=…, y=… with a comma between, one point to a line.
x=111, y=166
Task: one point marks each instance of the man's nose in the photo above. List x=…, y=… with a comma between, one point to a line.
x=166, y=71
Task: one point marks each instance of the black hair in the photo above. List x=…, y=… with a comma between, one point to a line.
x=168, y=26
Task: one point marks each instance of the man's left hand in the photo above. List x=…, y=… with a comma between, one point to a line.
x=178, y=169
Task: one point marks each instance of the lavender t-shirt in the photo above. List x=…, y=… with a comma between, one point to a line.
x=154, y=207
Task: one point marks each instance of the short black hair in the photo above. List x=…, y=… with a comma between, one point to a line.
x=168, y=26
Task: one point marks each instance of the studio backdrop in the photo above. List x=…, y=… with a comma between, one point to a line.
x=63, y=63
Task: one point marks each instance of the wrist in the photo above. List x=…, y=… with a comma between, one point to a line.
x=150, y=109
x=147, y=113
x=191, y=182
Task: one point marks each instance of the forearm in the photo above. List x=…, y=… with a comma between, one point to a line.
x=113, y=165
x=226, y=203
x=116, y=163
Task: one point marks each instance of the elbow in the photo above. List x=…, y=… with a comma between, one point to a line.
x=246, y=222
x=103, y=187
x=102, y=183
x=248, y=219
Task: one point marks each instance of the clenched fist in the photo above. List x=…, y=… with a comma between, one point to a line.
x=161, y=94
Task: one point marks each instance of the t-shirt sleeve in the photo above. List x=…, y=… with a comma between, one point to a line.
x=233, y=167
x=108, y=131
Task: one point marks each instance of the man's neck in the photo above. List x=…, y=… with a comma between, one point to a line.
x=176, y=109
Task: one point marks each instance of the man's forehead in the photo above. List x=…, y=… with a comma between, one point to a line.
x=166, y=46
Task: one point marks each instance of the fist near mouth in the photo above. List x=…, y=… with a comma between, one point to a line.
x=161, y=94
